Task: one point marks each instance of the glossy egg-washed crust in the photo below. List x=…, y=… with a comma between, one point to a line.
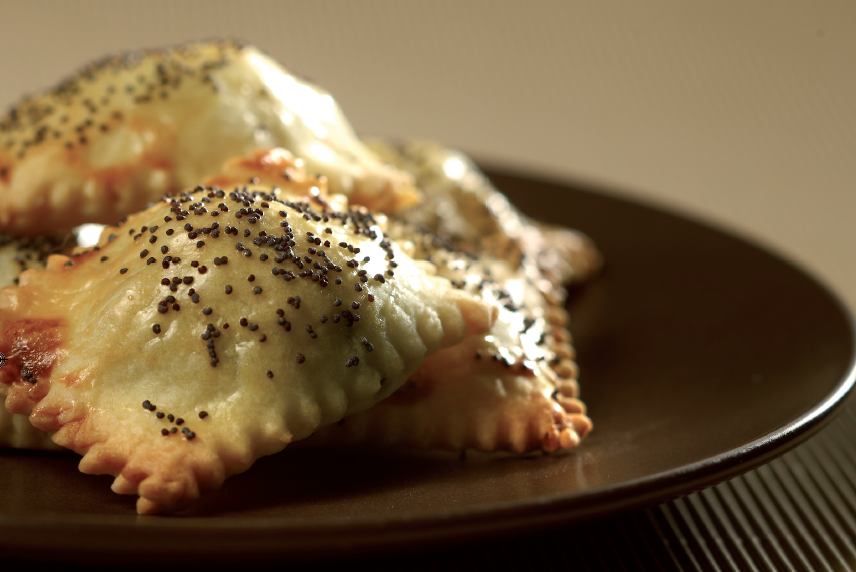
x=513, y=388
x=216, y=327
x=516, y=387
x=128, y=129
x=88, y=151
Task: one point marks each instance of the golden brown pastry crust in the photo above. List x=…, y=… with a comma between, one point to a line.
x=515, y=388
x=16, y=255
x=521, y=393
x=130, y=128
x=118, y=344
x=512, y=389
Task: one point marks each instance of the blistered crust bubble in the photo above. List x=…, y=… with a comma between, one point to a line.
x=127, y=129
x=216, y=327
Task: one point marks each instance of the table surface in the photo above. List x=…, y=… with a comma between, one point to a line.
x=740, y=114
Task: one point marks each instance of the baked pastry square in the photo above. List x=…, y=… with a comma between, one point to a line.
x=216, y=327
x=128, y=129
x=513, y=388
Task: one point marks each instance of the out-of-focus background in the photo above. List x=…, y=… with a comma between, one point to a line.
x=743, y=114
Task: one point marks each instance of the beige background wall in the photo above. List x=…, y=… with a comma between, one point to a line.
x=743, y=113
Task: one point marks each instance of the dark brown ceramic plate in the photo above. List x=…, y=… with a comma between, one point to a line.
x=702, y=357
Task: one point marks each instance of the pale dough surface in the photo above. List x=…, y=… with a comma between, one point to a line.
x=97, y=352
x=130, y=128
x=514, y=388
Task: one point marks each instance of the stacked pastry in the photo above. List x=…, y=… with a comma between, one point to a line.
x=271, y=276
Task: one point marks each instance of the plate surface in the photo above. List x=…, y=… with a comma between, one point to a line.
x=702, y=357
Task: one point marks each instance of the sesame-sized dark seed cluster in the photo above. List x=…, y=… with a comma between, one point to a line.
x=93, y=102
x=263, y=272
x=210, y=334
x=454, y=264
x=28, y=376
x=270, y=263
x=176, y=421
